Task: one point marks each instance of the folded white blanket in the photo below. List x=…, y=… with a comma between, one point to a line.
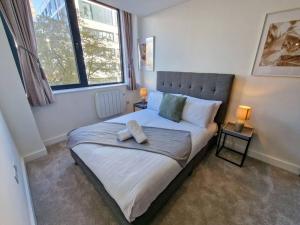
x=137, y=131
x=124, y=135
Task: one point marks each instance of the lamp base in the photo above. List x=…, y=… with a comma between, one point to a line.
x=238, y=127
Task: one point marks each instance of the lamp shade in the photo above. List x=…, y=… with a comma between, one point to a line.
x=243, y=112
x=143, y=92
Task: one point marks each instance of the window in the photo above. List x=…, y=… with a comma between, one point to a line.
x=86, y=10
x=78, y=42
x=103, y=35
x=102, y=15
x=96, y=12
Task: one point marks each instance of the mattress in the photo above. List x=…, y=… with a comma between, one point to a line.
x=135, y=178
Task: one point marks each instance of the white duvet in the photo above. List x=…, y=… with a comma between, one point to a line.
x=134, y=178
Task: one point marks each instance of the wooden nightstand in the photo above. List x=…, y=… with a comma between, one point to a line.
x=245, y=135
x=140, y=105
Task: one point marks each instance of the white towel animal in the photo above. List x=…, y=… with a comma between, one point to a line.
x=124, y=135
x=137, y=131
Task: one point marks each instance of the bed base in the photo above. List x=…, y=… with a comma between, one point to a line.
x=160, y=201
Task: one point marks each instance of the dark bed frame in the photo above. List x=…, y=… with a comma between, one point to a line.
x=199, y=85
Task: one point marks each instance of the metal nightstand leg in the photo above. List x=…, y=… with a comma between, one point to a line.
x=218, y=143
x=224, y=140
x=245, y=153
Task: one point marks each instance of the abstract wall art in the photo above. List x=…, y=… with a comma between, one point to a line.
x=146, y=54
x=278, y=53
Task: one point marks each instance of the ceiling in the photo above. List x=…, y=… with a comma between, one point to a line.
x=142, y=7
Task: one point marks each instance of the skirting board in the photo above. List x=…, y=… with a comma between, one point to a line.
x=28, y=194
x=35, y=155
x=55, y=140
x=291, y=167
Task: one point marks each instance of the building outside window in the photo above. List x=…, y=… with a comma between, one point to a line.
x=98, y=27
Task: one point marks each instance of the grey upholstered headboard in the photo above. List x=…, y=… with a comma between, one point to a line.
x=208, y=86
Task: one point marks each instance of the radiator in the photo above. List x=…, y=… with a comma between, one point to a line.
x=110, y=103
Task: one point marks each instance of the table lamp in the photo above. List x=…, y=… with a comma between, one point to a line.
x=143, y=94
x=243, y=113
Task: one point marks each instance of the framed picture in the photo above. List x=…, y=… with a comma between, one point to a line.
x=146, y=54
x=278, y=52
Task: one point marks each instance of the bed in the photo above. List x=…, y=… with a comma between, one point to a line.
x=136, y=184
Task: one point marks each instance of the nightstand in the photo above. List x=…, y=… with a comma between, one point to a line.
x=228, y=130
x=139, y=105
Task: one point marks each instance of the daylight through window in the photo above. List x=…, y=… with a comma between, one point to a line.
x=82, y=51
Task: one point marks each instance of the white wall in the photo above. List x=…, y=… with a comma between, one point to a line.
x=76, y=108
x=70, y=110
x=14, y=105
x=15, y=205
x=222, y=36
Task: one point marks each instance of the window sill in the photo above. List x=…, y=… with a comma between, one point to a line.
x=67, y=91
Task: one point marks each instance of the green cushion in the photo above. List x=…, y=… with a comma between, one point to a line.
x=171, y=107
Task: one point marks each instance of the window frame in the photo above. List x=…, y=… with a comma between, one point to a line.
x=78, y=50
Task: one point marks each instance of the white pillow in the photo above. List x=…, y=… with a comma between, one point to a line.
x=199, y=111
x=154, y=100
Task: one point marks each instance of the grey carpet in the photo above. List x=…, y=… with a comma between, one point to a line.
x=217, y=193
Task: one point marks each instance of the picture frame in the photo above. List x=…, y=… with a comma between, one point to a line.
x=278, y=52
x=146, y=49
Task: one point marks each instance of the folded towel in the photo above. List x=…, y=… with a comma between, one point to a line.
x=124, y=135
x=137, y=131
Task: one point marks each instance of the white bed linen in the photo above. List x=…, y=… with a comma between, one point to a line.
x=134, y=178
